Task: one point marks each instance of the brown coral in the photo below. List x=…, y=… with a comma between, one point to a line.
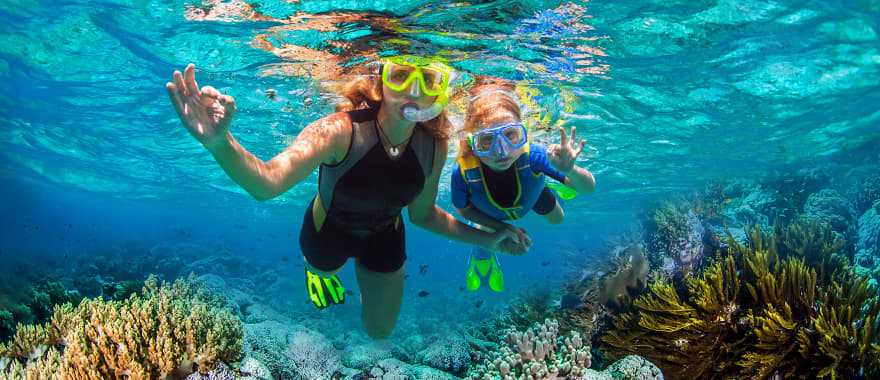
x=159, y=334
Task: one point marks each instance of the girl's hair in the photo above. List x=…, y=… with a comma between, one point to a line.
x=492, y=100
x=365, y=91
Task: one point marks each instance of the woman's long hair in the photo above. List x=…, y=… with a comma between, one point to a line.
x=365, y=91
x=491, y=100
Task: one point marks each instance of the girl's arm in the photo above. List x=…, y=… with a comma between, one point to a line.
x=423, y=212
x=563, y=157
x=580, y=179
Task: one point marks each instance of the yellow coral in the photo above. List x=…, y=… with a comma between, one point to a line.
x=144, y=337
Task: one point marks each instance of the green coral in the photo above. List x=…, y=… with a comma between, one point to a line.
x=162, y=332
x=783, y=304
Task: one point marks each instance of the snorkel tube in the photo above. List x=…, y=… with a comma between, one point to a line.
x=415, y=114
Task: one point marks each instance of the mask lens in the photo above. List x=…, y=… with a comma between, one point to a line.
x=483, y=142
x=433, y=78
x=398, y=74
x=514, y=134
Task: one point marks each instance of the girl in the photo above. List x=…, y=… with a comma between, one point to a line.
x=500, y=175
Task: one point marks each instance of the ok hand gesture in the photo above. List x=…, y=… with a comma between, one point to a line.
x=564, y=155
x=205, y=113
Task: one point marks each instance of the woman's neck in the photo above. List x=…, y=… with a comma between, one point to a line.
x=394, y=126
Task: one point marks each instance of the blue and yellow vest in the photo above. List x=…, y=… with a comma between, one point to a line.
x=529, y=186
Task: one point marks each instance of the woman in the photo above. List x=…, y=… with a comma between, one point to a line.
x=382, y=152
x=500, y=175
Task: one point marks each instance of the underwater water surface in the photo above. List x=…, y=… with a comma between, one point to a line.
x=759, y=111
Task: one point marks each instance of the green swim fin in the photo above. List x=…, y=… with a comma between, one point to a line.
x=479, y=269
x=564, y=192
x=320, y=287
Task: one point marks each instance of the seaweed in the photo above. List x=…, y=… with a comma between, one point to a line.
x=783, y=304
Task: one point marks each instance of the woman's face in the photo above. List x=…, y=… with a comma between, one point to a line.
x=501, y=159
x=412, y=95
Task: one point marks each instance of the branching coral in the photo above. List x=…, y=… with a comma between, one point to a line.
x=537, y=353
x=158, y=334
x=758, y=311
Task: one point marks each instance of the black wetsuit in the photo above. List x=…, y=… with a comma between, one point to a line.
x=363, y=196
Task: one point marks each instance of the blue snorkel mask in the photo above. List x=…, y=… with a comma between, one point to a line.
x=498, y=141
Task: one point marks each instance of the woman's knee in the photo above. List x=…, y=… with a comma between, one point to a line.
x=381, y=294
x=377, y=329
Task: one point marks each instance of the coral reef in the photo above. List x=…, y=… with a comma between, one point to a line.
x=168, y=330
x=867, y=255
x=449, y=353
x=827, y=206
x=866, y=192
x=268, y=343
x=632, y=367
x=675, y=238
x=313, y=356
x=537, y=353
x=758, y=311
x=629, y=271
x=394, y=369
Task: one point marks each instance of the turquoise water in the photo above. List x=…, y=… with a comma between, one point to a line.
x=671, y=95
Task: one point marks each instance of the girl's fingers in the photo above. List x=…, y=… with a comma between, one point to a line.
x=580, y=148
x=573, y=133
x=563, y=139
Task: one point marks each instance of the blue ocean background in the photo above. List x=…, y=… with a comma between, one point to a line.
x=670, y=95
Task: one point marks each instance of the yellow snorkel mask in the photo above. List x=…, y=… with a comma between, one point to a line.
x=399, y=74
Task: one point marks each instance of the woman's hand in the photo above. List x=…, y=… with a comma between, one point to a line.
x=205, y=113
x=563, y=155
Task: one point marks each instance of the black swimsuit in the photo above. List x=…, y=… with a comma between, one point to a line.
x=363, y=196
x=502, y=186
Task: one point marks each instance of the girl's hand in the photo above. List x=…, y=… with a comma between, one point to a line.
x=205, y=113
x=564, y=155
x=511, y=240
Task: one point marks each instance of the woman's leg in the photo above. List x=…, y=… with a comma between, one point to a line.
x=381, y=295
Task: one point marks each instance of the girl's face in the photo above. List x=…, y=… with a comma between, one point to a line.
x=503, y=157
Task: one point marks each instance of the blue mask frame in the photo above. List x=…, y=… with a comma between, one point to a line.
x=498, y=138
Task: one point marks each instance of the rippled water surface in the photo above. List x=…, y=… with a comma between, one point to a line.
x=668, y=94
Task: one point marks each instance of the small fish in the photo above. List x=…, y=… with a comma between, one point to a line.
x=545, y=263
x=423, y=269
x=424, y=293
x=461, y=288
x=285, y=259
x=479, y=303
x=239, y=226
x=406, y=276
x=270, y=93
x=349, y=292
